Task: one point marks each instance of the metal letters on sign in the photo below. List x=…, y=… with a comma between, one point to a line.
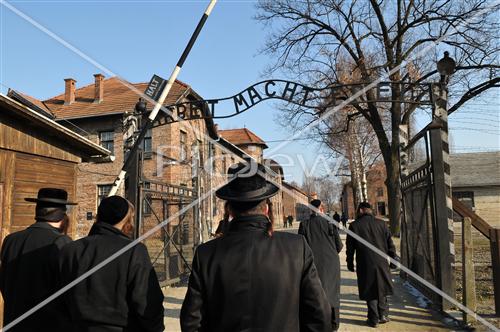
x=292, y=92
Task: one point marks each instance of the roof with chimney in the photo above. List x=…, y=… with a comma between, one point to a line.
x=477, y=169
x=242, y=136
x=118, y=96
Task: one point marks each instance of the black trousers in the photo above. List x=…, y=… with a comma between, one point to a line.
x=377, y=309
x=335, y=318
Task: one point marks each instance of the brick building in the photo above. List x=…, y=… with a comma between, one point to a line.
x=97, y=112
x=252, y=145
x=295, y=202
x=247, y=141
x=377, y=193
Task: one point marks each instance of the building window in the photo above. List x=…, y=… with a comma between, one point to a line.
x=466, y=197
x=212, y=158
x=183, y=146
x=200, y=151
x=380, y=192
x=225, y=158
x=381, y=208
x=106, y=140
x=103, y=192
x=147, y=145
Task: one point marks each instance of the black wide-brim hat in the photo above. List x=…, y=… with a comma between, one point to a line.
x=52, y=196
x=247, y=184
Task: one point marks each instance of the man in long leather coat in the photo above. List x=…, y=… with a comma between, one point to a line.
x=374, y=275
x=324, y=240
x=29, y=272
x=252, y=279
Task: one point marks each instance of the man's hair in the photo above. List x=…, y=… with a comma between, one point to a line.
x=247, y=208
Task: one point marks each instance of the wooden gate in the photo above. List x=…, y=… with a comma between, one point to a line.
x=426, y=238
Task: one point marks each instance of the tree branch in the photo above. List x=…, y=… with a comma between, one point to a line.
x=473, y=92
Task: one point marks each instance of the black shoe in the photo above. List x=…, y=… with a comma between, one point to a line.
x=371, y=323
x=384, y=319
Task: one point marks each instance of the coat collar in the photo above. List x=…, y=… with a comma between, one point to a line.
x=248, y=223
x=44, y=225
x=102, y=228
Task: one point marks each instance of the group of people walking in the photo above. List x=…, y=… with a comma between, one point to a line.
x=122, y=295
x=249, y=278
x=288, y=221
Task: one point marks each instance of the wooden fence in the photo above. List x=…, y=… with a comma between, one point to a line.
x=493, y=235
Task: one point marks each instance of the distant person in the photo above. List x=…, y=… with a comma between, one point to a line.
x=125, y=294
x=224, y=223
x=374, y=276
x=29, y=270
x=253, y=279
x=324, y=240
x=336, y=217
x=285, y=222
x=290, y=221
x=343, y=218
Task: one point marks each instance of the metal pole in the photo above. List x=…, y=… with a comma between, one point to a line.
x=147, y=124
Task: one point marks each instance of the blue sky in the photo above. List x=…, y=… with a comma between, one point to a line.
x=136, y=39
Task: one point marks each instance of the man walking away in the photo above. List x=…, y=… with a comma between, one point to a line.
x=290, y=221
x=374, y=276
x=252, y=279
x=224, y=223
x=336, y=217
x=125, y=294
x=324, y=240
x=28, y=272
x=343, y=218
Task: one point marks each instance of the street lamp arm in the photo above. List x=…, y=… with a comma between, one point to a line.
x=473, y=92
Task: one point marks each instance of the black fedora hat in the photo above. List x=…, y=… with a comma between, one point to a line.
x=316, y=203
x=51, y=195
x=246, y=184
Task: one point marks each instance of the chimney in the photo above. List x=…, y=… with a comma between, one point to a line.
x=69, y=91
x=99, y=88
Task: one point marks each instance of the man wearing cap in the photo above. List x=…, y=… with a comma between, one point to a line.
x=374, y=275
x=252, y=279
x=28, y=271
x=124, y=295
x=324, y=240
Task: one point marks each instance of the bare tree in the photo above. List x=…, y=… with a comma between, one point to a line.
x=394, y=40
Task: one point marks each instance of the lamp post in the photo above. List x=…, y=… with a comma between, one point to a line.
x=444, y=239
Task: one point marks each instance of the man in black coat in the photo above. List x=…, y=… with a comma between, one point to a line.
x=374, y=275
x=125, y=294
x=324, y=240
x=28, y=272
x=252, y=279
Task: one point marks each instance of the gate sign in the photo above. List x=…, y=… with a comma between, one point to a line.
x=291, y=92
x=155, y=87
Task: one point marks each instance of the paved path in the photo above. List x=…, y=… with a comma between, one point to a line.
x=406, y=315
